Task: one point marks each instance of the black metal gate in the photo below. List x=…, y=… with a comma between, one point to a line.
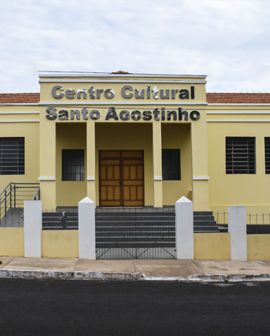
x=135, y=234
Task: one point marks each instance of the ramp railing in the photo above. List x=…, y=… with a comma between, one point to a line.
x=14, y=194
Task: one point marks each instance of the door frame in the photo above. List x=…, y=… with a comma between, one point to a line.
x=121, y=175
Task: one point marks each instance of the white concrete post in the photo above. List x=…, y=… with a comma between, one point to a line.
x=238, y=230
x=184, y=229
x=87, y=234
x=32, y=228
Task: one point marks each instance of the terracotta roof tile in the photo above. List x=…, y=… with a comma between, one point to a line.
x=6, y=98
x=120, y=72
x=243, y=98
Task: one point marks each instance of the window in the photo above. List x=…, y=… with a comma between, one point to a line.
x=11, y=156
x=240, y=155
x=171, y=164
x=72, y=164
x=267, y=155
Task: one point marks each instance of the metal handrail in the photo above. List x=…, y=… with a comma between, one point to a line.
x=23, y=184
x=37, y=194
x=12, y=197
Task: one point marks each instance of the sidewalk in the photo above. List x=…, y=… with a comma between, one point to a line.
x=162, y=270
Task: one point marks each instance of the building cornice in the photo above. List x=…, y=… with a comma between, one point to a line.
x=238, y=104
x=68, y=74
x=200, y=178
x=19, y=104
x=47, y=178
x=239, y=121
x=258, y=112
x=18, y=113
x=10, y=121
x=120, y=103
x=144, y=81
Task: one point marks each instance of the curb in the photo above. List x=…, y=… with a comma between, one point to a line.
x=73, y=275
x=136, y=276
x=214, y=278
x=231, y=278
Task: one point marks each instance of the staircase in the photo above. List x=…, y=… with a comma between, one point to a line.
x=204, y=222
x=60, y=220
x=135, y=229
x=110, y=220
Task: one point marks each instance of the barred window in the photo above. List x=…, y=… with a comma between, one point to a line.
x=240, y=155
x=11, y=156
x=267, y=155
x=72, y=164
x=171, y=169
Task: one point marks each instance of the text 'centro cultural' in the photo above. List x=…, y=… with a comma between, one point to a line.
x=126, y=92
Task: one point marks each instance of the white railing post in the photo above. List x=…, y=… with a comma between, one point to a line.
x=237, y=227
x=184, y=229
x=32, y=228
x=87, y=234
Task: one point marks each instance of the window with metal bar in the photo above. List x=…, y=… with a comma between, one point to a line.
x=72, y=164
x=171, y=169
x=11, y=156
x=267, y=154
x=240, y=155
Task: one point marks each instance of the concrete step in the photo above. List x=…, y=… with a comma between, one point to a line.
x=201, y=217
x=137, y=222
x=203, y=212
x=206, y=229
x=132, y=214
x=142, y=235
x=145, y=209
x=205, y=222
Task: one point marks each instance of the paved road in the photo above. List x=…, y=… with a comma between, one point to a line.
x=38, y=307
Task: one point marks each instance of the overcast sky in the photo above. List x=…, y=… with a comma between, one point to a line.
x=228, y=40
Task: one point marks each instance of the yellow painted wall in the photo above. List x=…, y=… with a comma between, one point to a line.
x=64, y=244
x=212, y=246
x=258, y=247
x=200, y=171
x=178, y=136
x=47, y=163
x=30, y=131
x=69, y=136
x=251, y=190
x=11, y=242
x=60, y=244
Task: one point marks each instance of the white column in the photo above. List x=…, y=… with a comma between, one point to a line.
x=184, y=229
x=238, y=230
x=87, y=234
x=32, y=228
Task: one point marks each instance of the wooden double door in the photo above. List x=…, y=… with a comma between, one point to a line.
x=121, y=178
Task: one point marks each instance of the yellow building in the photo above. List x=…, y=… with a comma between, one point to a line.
x=130, y=140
